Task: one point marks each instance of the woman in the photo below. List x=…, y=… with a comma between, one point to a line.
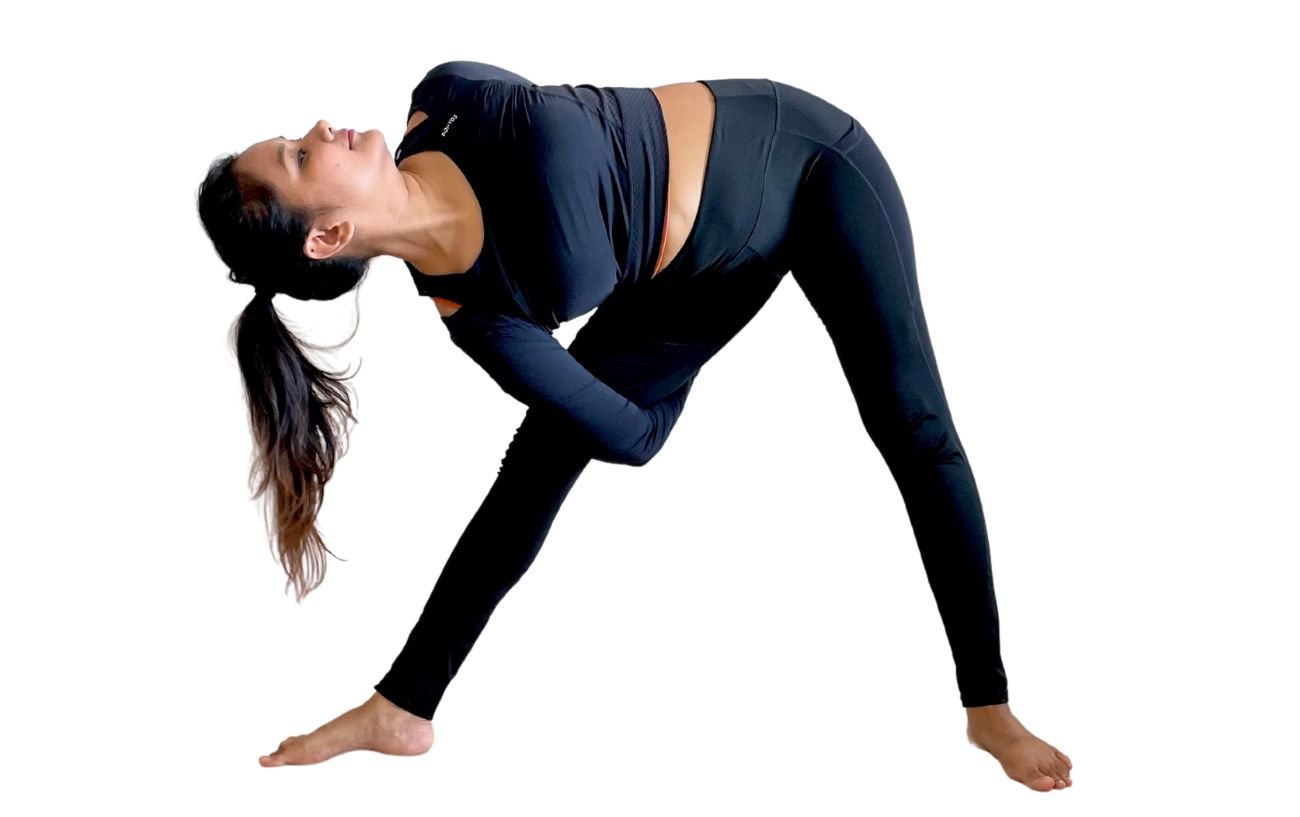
x=519, y=206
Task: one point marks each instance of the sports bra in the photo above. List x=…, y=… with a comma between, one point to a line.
x=572, y=184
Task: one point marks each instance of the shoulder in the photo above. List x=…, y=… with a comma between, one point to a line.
x=472, y=70
x=448, y=80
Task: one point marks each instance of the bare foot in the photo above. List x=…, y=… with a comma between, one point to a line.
x=1024, y=757
x=377, y=725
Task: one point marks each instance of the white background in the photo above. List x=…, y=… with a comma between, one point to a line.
x=1104, y=204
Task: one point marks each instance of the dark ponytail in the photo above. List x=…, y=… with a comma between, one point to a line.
x=298, y=413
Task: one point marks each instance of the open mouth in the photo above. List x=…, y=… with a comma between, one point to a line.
x=350, y=132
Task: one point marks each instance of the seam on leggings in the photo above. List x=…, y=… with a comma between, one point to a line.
x=902, y=269
x=767, y=161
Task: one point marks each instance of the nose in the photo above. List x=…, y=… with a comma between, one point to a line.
x=326, y=125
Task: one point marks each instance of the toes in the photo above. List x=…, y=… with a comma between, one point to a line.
x=283, y=754
x=1041, y=783
x=1062, y=774
x=1066, y=760
x=1055, y=775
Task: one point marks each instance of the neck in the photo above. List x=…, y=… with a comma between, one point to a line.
x=425, y=227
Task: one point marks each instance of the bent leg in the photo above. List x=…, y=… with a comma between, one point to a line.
x=854, y=261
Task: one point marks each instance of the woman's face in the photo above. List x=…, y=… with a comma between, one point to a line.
x=320, y=170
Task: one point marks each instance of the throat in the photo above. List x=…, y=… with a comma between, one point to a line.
x=460, y=233
x=466, y=247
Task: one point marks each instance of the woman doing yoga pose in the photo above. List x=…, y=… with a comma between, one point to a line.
x=673, y=212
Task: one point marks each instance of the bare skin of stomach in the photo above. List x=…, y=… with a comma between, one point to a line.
x=688, y=110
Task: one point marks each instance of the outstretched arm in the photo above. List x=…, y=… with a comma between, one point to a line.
x=529, y=364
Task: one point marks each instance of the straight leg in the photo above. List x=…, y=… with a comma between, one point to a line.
x=643, y=343
x=498, y=545
x=853, y=259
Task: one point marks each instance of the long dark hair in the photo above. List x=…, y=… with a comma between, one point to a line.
x=298, y=412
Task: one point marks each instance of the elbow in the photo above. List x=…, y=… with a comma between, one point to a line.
x=635, y=451
x=636, y=457
x=642, y=454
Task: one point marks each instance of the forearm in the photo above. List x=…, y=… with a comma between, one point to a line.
x=633, y=443
x=529, y=364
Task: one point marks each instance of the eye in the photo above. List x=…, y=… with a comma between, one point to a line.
x=300, y=159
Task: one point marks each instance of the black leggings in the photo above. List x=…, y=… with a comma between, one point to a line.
x=792, y=184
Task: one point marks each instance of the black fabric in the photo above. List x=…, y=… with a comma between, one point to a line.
x=792, y=184
x=572, y=182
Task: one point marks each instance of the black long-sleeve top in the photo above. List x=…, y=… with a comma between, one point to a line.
x=572, y=182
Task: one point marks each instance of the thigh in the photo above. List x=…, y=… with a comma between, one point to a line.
x=854, y=250
x=855, y=263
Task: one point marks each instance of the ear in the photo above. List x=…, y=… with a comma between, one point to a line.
x=325, y=242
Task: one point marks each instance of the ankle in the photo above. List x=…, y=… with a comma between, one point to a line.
x=992, y=711
x=996, y=718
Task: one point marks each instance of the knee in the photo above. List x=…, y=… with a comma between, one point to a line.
x=919, y=435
